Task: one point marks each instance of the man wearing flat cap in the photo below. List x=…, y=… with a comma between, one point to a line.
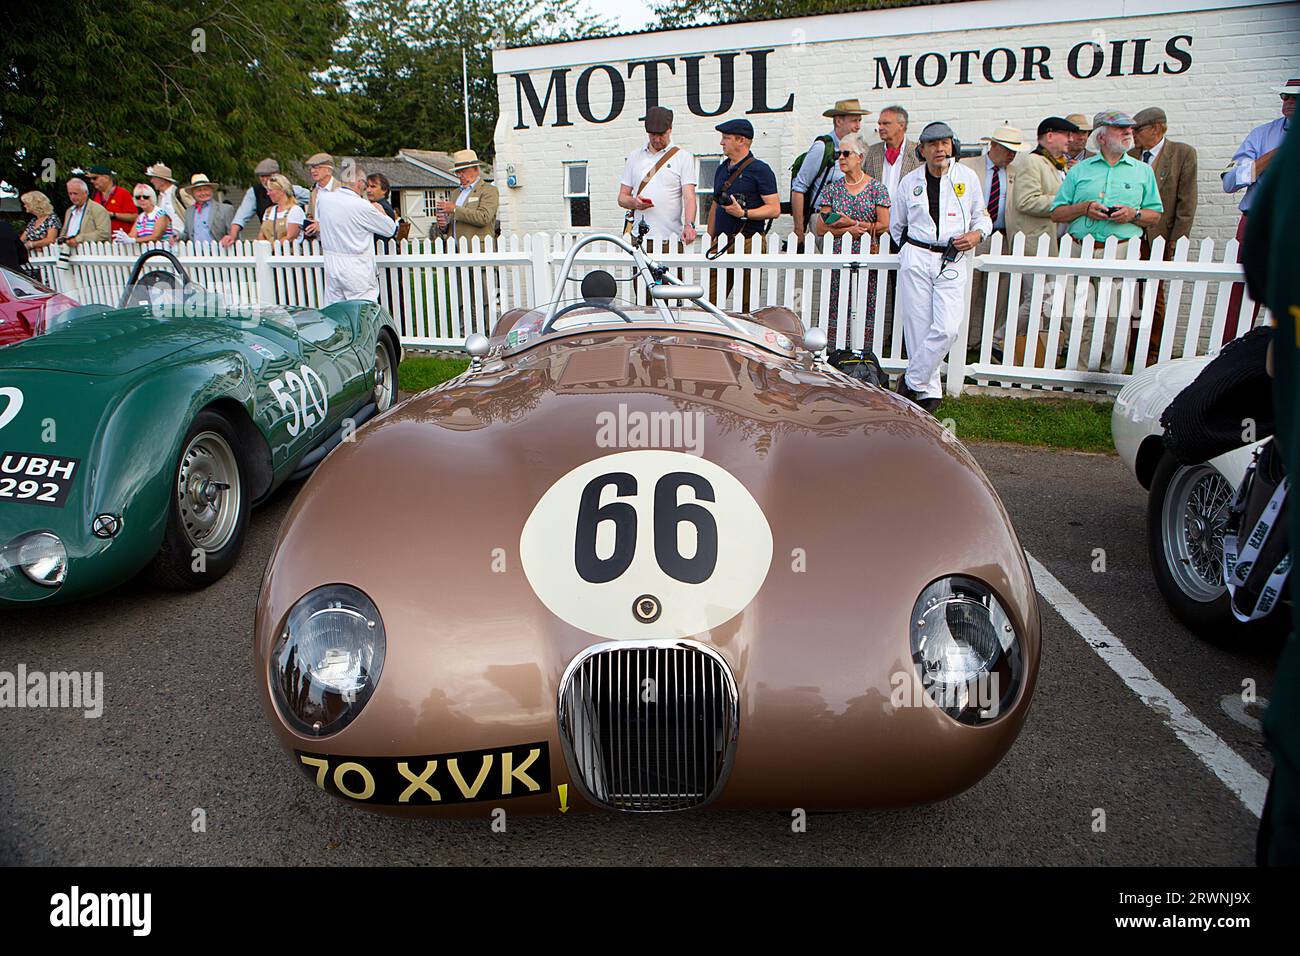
x=1174, y=165
x=320, y=166
x=1076, y=150
x=745, y=201
x=1110, y=194
x=938, y=216
x=256, y=201
x=997, y=170
x=820, y=167
x=658, y=184
x=121, y=207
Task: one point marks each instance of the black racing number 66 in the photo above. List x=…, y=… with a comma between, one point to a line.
x=668, y=514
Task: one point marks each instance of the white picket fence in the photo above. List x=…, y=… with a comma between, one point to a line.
x=440, y=294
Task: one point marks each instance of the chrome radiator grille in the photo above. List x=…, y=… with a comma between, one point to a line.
x=649, y=726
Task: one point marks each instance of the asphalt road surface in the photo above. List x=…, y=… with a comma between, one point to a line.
x=182, y=730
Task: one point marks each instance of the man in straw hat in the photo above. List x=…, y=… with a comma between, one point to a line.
x=1244, y=172
x=997, y=173
x=474, y=210
x=170, y=199
x=207, y=220
x=819, y=167
x=1076, y=151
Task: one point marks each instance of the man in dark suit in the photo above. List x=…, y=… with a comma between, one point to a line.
x=1174, y=165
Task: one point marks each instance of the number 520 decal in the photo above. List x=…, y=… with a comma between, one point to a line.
x=662, y=524
x=313, y=398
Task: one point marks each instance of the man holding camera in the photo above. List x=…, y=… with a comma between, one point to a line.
x=745, y=201
x=1110, y=194
x=938, y=216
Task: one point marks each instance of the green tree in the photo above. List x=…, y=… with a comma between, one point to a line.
x=400, y=67
x=202, y=85
x=687, y=13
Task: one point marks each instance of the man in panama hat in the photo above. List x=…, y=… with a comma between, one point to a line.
x=819, y=168
x=474, y=210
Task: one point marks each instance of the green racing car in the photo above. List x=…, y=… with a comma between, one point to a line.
x=136, y=438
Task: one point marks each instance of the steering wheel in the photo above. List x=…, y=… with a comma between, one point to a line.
x=157, y=277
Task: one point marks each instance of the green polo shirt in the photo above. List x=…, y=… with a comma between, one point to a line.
x=1130, y=182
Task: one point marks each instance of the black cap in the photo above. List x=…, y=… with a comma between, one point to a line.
x=1057, y=124
x=737, y=127
x=658, y=119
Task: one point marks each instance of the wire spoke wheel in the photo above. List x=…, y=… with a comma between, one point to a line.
x=385, y=377
x=1192, y=529
x=208, y=492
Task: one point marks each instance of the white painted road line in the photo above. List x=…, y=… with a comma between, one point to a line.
x=1225, y=763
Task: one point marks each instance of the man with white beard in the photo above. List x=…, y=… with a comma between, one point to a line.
x=348, y=227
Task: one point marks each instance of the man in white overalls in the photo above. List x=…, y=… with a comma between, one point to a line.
x=934, y=205
x=348, y=227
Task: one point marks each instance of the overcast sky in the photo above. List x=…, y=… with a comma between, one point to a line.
x=624, y=14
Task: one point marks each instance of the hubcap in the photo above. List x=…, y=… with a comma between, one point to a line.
x=1192, y=522
x=208, y=492
x=383, y=378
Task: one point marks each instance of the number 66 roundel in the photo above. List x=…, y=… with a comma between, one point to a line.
x=646, y=544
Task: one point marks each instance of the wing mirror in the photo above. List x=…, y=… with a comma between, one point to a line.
x=477, y=345
x=814, y=340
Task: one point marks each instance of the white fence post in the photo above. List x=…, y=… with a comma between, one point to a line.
x=263, y=278
x=540, y=274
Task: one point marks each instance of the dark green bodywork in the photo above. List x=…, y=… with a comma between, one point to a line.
x=119, y=390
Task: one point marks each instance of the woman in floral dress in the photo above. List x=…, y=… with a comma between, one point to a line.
x=862, y=204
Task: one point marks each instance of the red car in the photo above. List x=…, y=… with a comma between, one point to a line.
x=27, y=307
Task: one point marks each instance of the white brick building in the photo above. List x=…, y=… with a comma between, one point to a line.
x=572, y=112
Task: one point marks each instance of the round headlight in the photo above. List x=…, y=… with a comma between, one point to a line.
x=40, y=555
x=965, y=649
x=327, y=660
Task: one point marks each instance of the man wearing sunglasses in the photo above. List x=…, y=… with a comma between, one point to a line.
x=1244, y=172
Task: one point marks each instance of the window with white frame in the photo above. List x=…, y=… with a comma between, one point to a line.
x=430, y=210
x=706, y=167
x=576, y=194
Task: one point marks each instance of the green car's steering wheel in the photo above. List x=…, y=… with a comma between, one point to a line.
x=138, y=287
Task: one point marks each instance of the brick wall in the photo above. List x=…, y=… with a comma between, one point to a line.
x=1237, y=52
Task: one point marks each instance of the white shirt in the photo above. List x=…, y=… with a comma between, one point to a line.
x=665, y=190
x=168, y=203
x=891, y=173
x=75, y=215
x=1155, y=151
x=961, y=206
x=349, y=224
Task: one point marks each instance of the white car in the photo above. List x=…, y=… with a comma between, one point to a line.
x=1188, y=504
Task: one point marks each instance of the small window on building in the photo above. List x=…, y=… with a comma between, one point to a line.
x=430, y=210
x=576, y=194
x=706, y=169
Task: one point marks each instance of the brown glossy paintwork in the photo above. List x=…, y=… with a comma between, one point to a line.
x=861, y=480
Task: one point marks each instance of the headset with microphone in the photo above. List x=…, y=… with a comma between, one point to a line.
x=951, y=255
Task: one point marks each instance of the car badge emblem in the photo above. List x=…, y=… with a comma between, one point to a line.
x=647, y=609
x=106, y=526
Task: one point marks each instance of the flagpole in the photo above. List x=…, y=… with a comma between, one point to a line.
x=464, y=78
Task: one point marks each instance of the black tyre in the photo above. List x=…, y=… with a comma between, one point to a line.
x=1186, y=514
x=207, y=512
x=385, y=393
